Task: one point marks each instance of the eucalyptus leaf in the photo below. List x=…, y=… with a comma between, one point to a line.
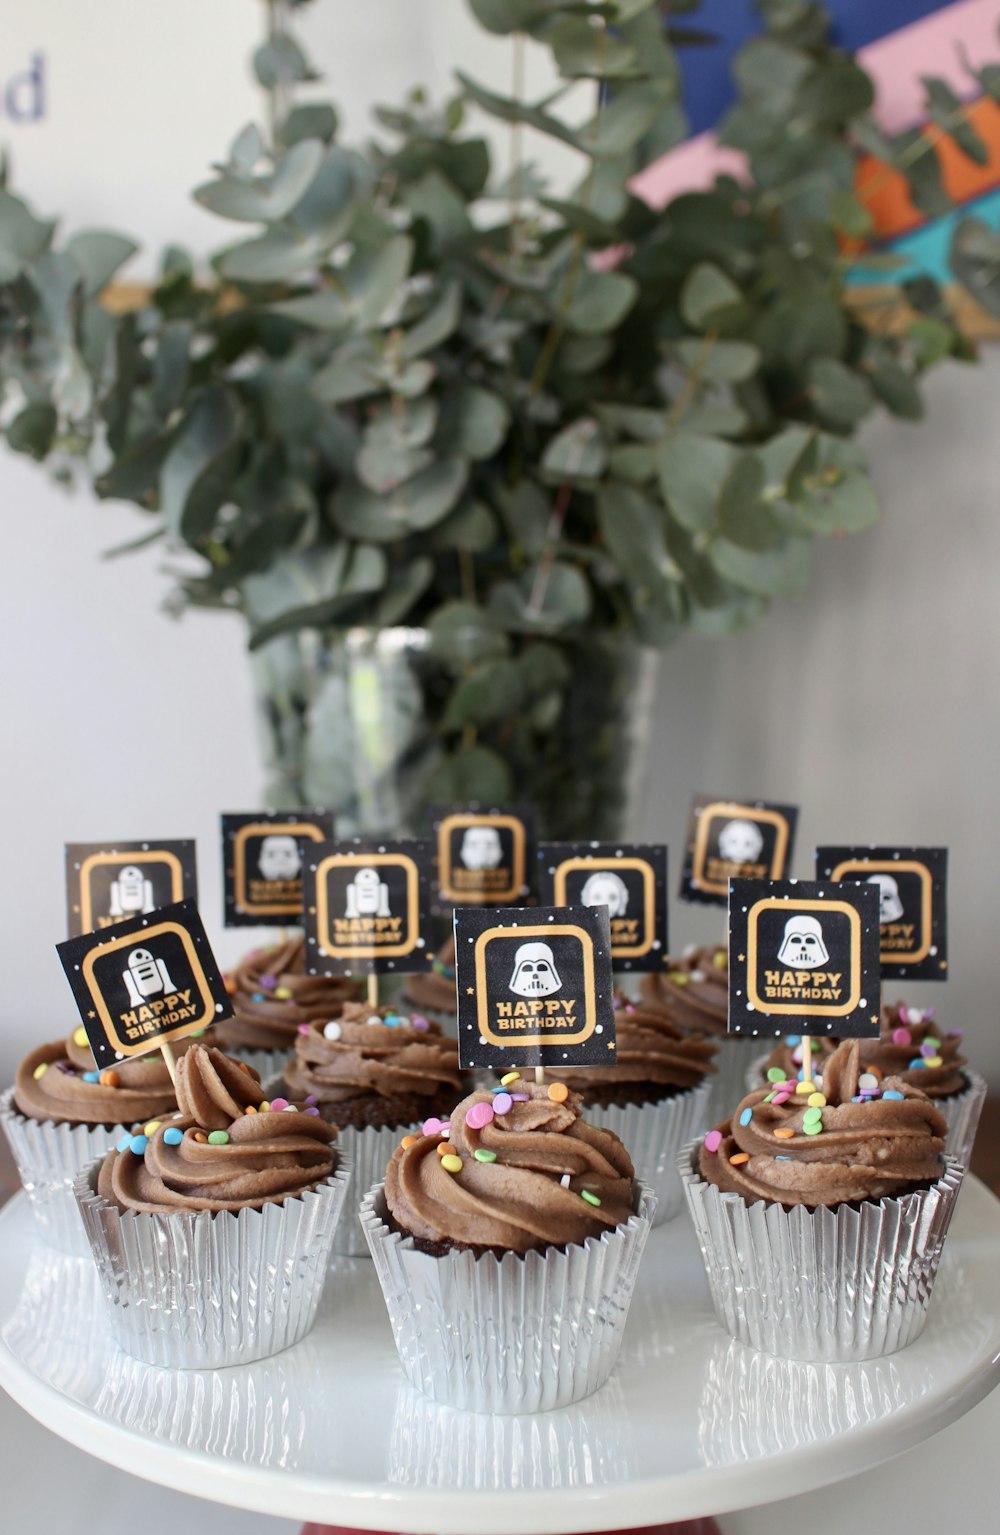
x=197, y=471
x=98, y=254
x=416, y=504
x=489, y=692
x=840, y=397
x=633, y=527
x=280, y=61
x=553, y=597
x=463, y=633
x=599, y=301
x=709, y=296
x=436, y=325
x=33, y=429
x=692, y=472
x=474, y=422
x=577, y=453
x=263, y=199
x=743, y=516
x=474, y=775
x=779, y=572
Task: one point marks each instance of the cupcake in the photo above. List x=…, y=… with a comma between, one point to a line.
x=271, y=996
x=434, y=992
x=912, y=1047
x=375, y=1073
x=62, y=1112
x=694, y=991
x=212, y=1230
x=821, y=1216
x=507, y=1243
x=656, y=1098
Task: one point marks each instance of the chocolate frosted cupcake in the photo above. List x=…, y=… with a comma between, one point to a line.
x=434, y=994
x=212, y=1231
x=655, y=1098
x=62, y=1112
x=821, y=1215
x=271, y=996
x=376, y=1073
x=514, y=1220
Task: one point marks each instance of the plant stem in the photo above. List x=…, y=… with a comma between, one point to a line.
x=516, y=147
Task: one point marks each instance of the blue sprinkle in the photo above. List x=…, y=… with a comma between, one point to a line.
x=919, y=1064
x=392, y=1020
x=258, y=996
x=172, y=1137
x=746, y=1116
x=793, y=1040
x=91, y=1076
x=138, y=1144
x=124, y=1143
x=894, y=1097
x=782, y=1159
x=857, y=1100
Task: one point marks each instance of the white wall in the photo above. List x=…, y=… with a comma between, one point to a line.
x=869, y=702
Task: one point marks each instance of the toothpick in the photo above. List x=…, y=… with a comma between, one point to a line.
x=539, y=1073
x=807, y=1058
x=373, y=990
x=171, y=1062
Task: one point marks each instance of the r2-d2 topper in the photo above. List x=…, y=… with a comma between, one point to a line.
x=145, y=977
x=367, y=895
x=131, y=893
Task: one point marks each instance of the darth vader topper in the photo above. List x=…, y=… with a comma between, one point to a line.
x=108, y=882
x=534, y=987
x=912, y=890
x=803, y=958
x=262, y=863
x=146, y=981
x=629, y=879
x=734, y=839
x=366, y=907
x=483, y=854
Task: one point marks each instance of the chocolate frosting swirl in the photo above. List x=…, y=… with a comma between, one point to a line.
x=374, y=1059
x=271, y=995
x=518, y=1200
x=907, y=1035
x=268, y=1156
x=694, y=990
x=884, y=1145
x=132, y=1090
x=436, y=991
x=651, y=1052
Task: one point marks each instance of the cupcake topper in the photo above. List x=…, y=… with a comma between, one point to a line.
x=147, y=981
x=630, y=879
x=912, y=890
x=484, y=855
x=534, y=987
x=108, y=882
x=734, y=839
x=803, y=956
x=262, y=864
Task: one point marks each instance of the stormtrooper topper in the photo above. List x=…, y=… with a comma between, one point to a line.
x=912, y=885
x=732, y=839
x=107, y=883
x=803, y=958
x=483, y=855
x=366, y=907
x=630, y=879
x=534, y=987
x=262, y=864
x=147, y=980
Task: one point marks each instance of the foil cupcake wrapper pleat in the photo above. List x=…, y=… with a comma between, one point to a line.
x=729, y=1082
x=368, y=1151
x=839, y=1285
x=49, y=1156
x=653, y=1134
x=510, y=1334
x=196, y=1290
x=961, y=1110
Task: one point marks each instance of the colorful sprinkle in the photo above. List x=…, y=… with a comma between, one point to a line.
x=40, y=1071
x=927, y=1048
x=282, y=993
x=90, y=1076
x=519, y=1097
x=451, y=1164
x=268, y=982
x=775, y=1074
x=138, y=1144
x=263, y=1108
x=930, y=1040
x=419, y=1022
x=867, y=1082
x=200, y=1135
x=392, y=1021
x=277, y=1104
x=812, y=1117
x=374, y=1018
x=780, y=1098
x=739, y=1159
x=892, y=1097
x=718, y=960
x=935, y=1060
x=713, y=1140
x=309, y=1100
x=304, y=1028
x=814, y=1128
x=769, y=1098
x=558, y=1092
x=431, y=1126
x=482, y=1155
x=80, y=1037
x=564, y=1181
x=218, y=1138
x=109, y=1078
x=511, y=1076
x=678, y=977
x=249, y=1109
x=408, y=1141
x=746, y=1116
x=332, y=1031
x=591, y=1199
x=791, y=1040
x=479, y=1116
x=816, y=1101
x=173, y=1136
x=805, y=1087
x=314, y=1112
x=257, y=996
x=917, y=1064
x=784, y=1135
x=152, y=1127
x=125, y=1143
x=902, y=1037
x=443, y=1149
x=502, y=1103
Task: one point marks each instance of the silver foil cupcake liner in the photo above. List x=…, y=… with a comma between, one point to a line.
x=368, y=1151
x=653, y=1134
x=961, y=1110
x=510, y=1334
x=731, y=1066
x=196, y=1290
x=838, y=1285
x=48, y=1158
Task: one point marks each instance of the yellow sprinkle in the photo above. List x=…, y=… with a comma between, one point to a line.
x=933, y=1060
x=264, y=1106
x=678, y=977
x=784, y=1135
x=451, y=1164
x=80, y=1036
x=408, y=1141
x=816, y=1101
x=739, y=1159
x=558, y=1092
x=512, y=1076
x=282, y=993
x=719, y=959
x=805, y=1087
x=40, y=1071
x=152, y=1127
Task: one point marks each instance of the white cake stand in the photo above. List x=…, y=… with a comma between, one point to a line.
x=691, y=1424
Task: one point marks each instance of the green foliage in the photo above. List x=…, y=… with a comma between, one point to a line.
x=416, y=389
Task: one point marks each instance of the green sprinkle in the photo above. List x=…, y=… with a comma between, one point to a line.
x=482, y=1155
x=813, y=1129
x=591, y=1199
x=769, y=1098
x=812, y=1117
x=775, y=1074
x=218, y=1138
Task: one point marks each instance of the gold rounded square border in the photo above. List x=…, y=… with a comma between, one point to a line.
x=96, y=860
x=890, y=866
x=367, y=860
x=518, y=865
x=523, y=934
x=129, y=941
x=748, y=813
x=268, y=829
x=598, y=865
x=793, y=907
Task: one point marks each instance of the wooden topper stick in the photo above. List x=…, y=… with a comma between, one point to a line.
x=539, y=1073
x=373, y=990
x=807, y=1058
x=171, y=1062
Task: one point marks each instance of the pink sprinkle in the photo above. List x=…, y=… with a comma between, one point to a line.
x=518, y=1097
x=479, y=1116
x=629, y=1008
x=713, y=1140
x=305, y=1028
x=502, y=1103
x=419, y=1023
x=902, y=1037
x=780, y=1098
x=616, y=1003
x=268, y=982
x=277, y=1104
x=431, y=1126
